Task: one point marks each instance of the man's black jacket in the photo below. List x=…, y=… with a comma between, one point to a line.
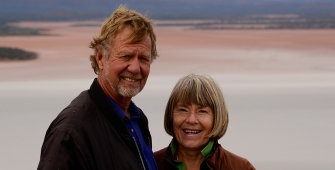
x=90, y=135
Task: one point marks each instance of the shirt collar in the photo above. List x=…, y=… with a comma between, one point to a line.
x=205, y=151
x=134, y=113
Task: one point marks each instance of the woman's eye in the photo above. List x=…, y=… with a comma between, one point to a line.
x=182, y=110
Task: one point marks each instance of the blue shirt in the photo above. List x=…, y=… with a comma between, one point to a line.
x=135, y=131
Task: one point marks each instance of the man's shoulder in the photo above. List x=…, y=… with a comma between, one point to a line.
x=76, y=115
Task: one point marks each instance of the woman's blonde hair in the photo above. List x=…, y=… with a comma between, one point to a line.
x=122, y=17
x=201, y=90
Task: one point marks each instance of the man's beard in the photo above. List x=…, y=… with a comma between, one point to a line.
x=124, y=90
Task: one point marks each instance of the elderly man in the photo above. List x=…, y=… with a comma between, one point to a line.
x=102, y=128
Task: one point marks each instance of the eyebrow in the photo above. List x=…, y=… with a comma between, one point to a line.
x=125, y=52
x=204, y=107
x=180, y=105
x=128, y=52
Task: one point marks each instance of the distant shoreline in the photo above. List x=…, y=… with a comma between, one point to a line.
x=256, y=22
x=249, y=22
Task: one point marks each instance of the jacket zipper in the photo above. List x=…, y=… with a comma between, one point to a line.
x=139, y=152
x=168, y=160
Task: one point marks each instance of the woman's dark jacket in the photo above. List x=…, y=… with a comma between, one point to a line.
x=90, y=135
x=218, y=159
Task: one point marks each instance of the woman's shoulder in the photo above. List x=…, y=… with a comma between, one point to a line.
x=160, y=152
x=159, y=158
x=232, y=156
x=230, y=160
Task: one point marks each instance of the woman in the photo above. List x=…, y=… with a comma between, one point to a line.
x=196, y=117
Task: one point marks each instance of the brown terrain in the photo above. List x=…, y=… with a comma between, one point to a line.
x=278, y=84
x=64, y=52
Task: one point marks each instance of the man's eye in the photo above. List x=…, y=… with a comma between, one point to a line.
x=144, y=59
x=126, y=56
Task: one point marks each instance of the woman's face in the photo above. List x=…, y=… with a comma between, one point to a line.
x=191, y=125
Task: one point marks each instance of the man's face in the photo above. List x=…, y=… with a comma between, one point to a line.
x=128, y=66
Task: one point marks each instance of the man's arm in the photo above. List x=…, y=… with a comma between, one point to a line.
x=61, y=150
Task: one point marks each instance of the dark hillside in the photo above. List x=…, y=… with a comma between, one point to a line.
x=7, y=54
x=158, y=9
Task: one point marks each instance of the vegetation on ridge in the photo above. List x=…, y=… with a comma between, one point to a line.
x=16, y=54
x=6, y=30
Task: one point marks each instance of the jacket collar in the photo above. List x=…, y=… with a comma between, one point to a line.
x=108, y=111
x=206, y=151
x=171, y=150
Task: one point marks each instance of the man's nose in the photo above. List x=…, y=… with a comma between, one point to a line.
x=134, y=66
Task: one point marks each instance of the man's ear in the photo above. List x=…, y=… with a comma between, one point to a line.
x=100, y=59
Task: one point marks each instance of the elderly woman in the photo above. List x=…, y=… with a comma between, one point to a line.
x=196, y=117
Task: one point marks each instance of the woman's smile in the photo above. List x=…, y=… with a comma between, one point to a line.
x=192, y=124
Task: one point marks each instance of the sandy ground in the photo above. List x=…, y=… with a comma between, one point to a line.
x=279, y=86
x=64, y=53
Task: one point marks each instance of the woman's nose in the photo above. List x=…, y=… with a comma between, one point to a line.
x=192, y=118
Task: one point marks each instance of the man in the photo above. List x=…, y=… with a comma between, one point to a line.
x=102, y=128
